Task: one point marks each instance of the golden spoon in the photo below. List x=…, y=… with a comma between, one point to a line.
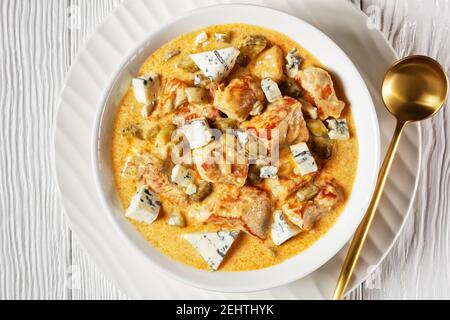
x=414, y=89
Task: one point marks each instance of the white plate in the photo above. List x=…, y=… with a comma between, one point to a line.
x=87, y=80
x=366, y=125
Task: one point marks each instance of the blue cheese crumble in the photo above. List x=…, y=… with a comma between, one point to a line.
x=268, y=172
x=198, y=133
x=144, y=206
x=293, y=62
x=176, y=219
x=191, y=189
x=182, y=176
x=338, y=129
x=216, y=64
x=303, y=158
x=270, y=89
x=212, y=246
x=146, y=88
x=281, y=230
x=201, y=38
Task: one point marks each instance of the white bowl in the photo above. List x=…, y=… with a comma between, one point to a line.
x=364, y=115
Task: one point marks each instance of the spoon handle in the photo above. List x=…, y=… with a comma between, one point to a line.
x=362, y=231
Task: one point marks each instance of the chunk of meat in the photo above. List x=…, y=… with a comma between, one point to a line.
x=190, y=111
x=282, y=188
x=237, y=99
x=269, y=64
x=305, y=214
x=318, y=83
x=171, y=96
x=222, y=161
x=329, y=196
x=288, y=182
x=247, y=208
x=284, y=119
x=156, y=175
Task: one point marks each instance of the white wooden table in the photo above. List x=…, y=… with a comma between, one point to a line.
x=40, y=258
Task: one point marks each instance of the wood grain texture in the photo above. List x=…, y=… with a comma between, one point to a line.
x=34, y=239
x=418, y=267
x=41, y=259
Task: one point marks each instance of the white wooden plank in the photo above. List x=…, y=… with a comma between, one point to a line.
x=34, y=239
x=87, y=281
x=418, y=267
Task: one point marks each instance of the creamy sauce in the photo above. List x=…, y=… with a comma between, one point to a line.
x=248, y=253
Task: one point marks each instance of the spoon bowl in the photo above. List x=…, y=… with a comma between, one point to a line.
x=415, y=88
